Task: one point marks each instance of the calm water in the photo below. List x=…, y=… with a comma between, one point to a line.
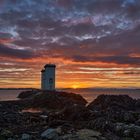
x=9, y=94
x=91, y=94
x=88, y=94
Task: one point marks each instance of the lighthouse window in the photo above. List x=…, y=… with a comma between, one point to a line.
x=50, y=80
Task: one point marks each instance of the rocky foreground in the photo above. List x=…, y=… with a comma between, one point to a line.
x=45, y=115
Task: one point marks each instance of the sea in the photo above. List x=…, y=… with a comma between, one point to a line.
x=88, y=93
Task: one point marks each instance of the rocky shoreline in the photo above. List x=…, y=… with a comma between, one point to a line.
x=45, y=115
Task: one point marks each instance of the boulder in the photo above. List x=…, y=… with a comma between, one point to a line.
x=50, y=134
x=117, y=102
x=84, y=134
x=129, y=117
x=65, y=129
x=6, y=133
x=25, y=137
x=101, y=123
x=70, y=137
x=127, y=133
x=118, y=108
x=128, y=130
x=88, y=133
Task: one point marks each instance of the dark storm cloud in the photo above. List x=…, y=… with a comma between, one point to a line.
x=109, y=59
x=67, y=28
x=125, y=43
x=132, y=9
x=103, y=5
x=9, y=52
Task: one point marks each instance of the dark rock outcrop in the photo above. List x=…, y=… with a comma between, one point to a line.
x=27, y=94
x=62, y=115
x=137, y=105
x=116, y=102
x=53, y=99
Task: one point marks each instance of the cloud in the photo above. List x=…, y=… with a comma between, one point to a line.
x=109, y=59
x=15, y=53
x=65, y=32
x=99, y=33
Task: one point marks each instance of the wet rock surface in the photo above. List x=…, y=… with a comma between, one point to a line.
x=65, y=116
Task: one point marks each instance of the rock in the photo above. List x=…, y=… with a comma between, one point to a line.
x=137, y=122
x=111, y=136
x=70, y=137
x=67, y=128
x=129, y=117
x=54, y=100
x=72, y=120
x=83, y=134
x=137, y=104
x=102, y=138
x=137, y=135
x=25, y=137
x=115, y=108
x=2, y=138
x=119, y=129
x=76, y=112
x=50, y=134
x=130, y=130
x=117, y=102
x=101, y=124
x=6, y=133
x=134, y=129
x=128, y=138
x=127, y=133
x=136, y=132
x=59, y=130
x=10, y=139
x=88, y=134
x=27, y=94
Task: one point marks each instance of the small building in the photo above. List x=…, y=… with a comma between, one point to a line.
x=48, y=77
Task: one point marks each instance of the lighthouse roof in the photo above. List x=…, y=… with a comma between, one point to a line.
x=49, y=65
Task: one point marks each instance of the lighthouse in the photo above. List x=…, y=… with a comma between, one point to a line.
x=48, y=77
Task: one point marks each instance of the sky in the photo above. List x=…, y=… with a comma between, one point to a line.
x=94, y=43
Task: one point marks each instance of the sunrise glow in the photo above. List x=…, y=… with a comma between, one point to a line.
x=91, y=47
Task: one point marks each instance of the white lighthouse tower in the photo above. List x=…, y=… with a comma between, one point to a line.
x=48, y=77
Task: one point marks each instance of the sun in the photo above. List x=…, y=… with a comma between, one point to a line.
x=75, y=86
